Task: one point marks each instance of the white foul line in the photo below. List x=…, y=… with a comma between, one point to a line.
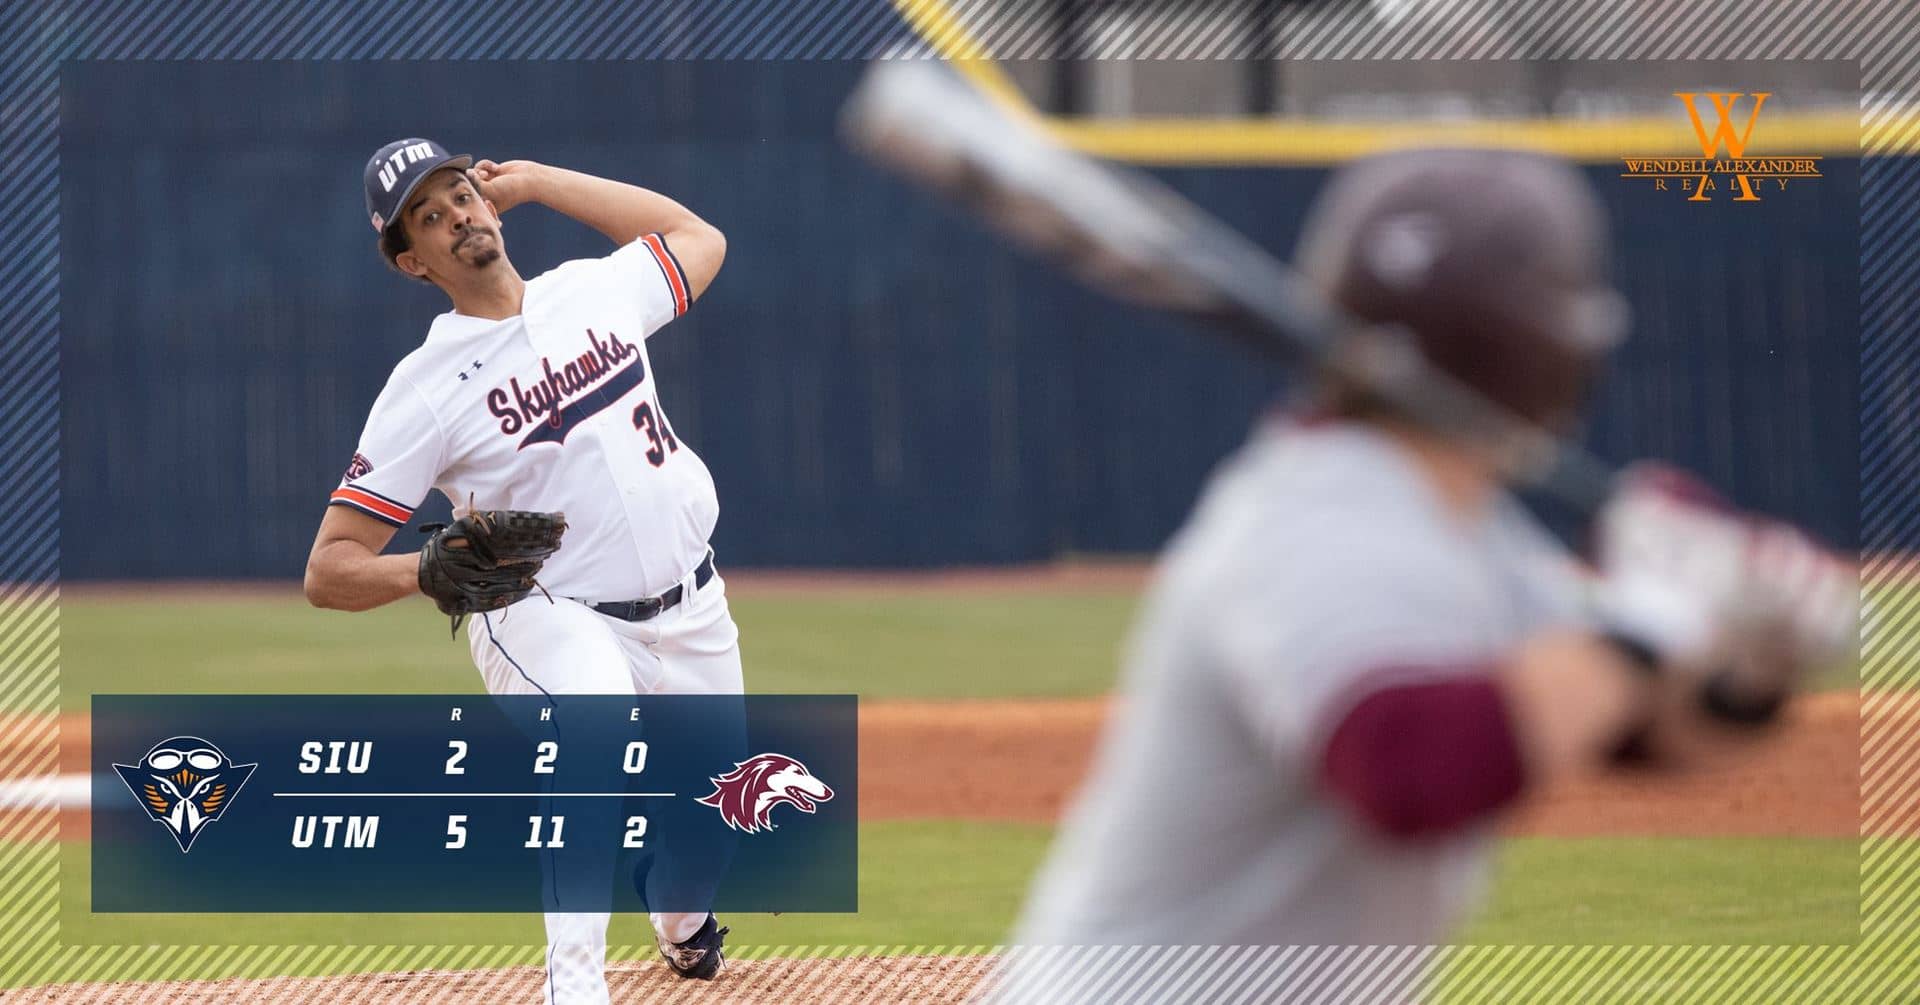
x=66, y=792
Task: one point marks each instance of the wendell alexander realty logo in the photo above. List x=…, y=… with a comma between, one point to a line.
x=747, y=795
x=1707, y=174
x=185, y=783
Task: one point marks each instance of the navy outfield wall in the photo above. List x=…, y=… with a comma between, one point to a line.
x=873, y=379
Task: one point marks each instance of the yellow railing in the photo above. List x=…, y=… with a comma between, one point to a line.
x=1838, y=132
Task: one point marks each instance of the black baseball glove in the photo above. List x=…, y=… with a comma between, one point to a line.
x=487, y=559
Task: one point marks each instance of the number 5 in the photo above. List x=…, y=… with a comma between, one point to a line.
x=457, y=831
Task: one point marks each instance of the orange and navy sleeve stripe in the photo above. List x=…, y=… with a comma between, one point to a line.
x=670, y=268
x=372, y=504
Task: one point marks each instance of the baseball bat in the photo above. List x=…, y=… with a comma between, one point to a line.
x=1126, y=234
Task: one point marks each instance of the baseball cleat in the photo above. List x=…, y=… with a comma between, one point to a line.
x=699, y=957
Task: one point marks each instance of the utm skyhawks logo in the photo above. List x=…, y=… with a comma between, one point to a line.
x=747, y=795
x=1723, y=160
x=185, y=783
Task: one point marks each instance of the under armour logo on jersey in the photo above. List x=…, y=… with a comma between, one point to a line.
x=464, y=375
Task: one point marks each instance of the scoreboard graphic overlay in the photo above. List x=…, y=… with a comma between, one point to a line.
x=425, y=803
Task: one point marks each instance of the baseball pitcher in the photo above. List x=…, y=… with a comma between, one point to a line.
x=582, y=559
x=1360, y=649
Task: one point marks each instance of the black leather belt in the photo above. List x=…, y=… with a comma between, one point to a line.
x=649, y=608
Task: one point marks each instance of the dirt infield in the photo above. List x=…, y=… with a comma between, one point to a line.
x=1806, y=785
x=1008, y=760
x=1020, y=760
x=759, y=982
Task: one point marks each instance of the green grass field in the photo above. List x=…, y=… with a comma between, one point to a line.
x=1669, y=891
x=879, y=645
x=930, y=883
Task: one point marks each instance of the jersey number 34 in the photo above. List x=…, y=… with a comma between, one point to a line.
x=660, y=439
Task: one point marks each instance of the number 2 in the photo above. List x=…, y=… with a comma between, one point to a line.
x=459, y=748
x=547, y=752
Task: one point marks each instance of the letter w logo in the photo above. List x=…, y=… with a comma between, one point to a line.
x=1736, y=146
x=1723, y=136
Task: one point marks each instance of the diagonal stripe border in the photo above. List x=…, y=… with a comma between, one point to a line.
x=1880, y=35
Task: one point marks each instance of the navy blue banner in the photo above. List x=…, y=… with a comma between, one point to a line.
x=374, y=803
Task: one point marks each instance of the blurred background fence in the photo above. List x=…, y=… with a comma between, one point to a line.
x=874, y=380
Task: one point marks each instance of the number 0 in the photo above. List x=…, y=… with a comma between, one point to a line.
x=636, y=759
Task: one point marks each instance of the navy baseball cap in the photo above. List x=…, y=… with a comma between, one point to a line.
x=395, y=170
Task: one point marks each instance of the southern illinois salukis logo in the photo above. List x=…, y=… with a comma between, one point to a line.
x=185, y=783
x=747, y=795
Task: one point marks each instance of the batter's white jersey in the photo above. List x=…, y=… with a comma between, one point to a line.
x=1318, y=564
x=554, y=409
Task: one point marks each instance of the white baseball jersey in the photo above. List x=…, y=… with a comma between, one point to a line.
x=1317, y=564
x=554, y=409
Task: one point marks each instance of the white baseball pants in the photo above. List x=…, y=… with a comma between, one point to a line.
x=564, y=647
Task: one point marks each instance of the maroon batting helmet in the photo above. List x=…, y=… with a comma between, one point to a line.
x=1494, y=260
